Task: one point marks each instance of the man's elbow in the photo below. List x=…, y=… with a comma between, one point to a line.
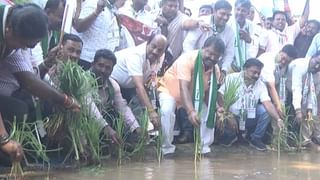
x=26, y=79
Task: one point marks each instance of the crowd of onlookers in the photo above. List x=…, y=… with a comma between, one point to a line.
x=180, y=70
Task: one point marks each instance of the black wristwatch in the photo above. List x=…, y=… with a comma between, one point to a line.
x=4, y=139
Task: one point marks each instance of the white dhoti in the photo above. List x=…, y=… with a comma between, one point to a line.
x=167, y=108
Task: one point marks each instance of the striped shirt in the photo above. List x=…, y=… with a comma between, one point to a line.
x=176, y=34
x=18, y=61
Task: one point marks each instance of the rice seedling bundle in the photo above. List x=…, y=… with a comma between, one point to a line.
x=24, y=133
x=230, y=96
x=81, y=126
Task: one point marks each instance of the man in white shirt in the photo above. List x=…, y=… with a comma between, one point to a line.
x=98, y=28
x=275, y=73
x=136, y=10
x=304, y=76
x=196, y=38
x=135, y=67
x=315, y=46
x=247, y=41
x=250, y=92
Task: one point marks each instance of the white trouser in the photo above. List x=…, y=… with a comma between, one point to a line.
x=168, y=106
x=206, y=134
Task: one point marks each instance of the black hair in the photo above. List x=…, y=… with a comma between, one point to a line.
x=243, y=3
x=164, y=1
x=54, y=4
x=71, y=37
x=253, y=62
x=279, y=12
x=270, y=19
x=290, y=50
x=28, y=21
x=216, y=42
x=105, y=54
x=315, y=22
x=206, y=6
x=222, y=4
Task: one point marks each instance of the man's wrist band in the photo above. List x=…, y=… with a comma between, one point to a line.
x=4, y=139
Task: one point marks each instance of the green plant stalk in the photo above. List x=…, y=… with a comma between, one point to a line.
x=119, y=127
x=279, y=143
x=158, y=146
x=75, y=147
x=139, y=147
x=197, y=145
x=95, y=141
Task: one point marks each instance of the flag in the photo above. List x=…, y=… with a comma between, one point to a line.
x=68, y=15
x=139, y=31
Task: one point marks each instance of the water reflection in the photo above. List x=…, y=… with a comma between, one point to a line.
x=225, y=165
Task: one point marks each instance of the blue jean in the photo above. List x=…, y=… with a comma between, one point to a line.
x=256, y=128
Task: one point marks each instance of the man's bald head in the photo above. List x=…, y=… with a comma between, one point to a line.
x=156, y=47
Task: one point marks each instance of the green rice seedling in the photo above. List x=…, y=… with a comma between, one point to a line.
x=120, y=130
x=71, y=79
x=140, y=146
x=158, y=145
x=230, y=97
x=93, y=137
x=281, y=139
x=23, y=133
x=197, y=145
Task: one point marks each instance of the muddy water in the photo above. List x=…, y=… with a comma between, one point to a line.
x=236, y=163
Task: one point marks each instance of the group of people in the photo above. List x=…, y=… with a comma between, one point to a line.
x=177, y=67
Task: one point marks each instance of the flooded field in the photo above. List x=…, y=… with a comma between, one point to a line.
x=237, y=162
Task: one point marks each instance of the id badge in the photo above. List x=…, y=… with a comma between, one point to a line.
x=251, y=113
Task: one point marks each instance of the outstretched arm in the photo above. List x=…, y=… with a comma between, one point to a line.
x=305, y=14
